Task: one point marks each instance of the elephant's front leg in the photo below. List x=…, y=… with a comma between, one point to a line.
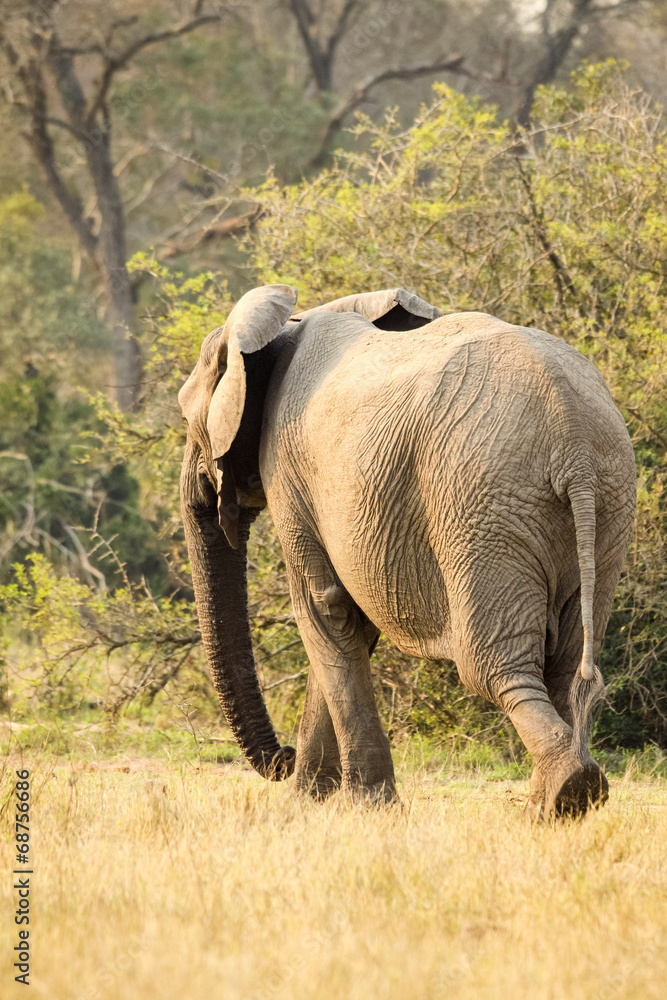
x=336, y=640
x=318, y=766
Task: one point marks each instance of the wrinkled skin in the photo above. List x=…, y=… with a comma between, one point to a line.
x=423, y=482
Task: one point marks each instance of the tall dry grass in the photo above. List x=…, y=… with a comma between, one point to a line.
x=180, y=884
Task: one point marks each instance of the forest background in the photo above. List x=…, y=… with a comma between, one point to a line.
x=157, y=161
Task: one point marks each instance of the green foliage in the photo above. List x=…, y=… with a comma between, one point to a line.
x=634, y=655
x=69, y=628
x=107, y=639
x=265, y=119
x=38, y=329
x=50, y=342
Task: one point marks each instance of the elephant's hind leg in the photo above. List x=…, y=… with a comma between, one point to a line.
x=335, y=635
x=563, y=783
x=318, y=767
x=588, y=785
x=513, y=664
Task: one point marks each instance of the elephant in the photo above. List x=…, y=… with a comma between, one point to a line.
x=461, y=484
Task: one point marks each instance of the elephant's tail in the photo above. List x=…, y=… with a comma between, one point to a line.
x=587, y=684
x=582, y=501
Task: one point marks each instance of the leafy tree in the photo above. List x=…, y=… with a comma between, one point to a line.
x=50, y=343
x=46, y=46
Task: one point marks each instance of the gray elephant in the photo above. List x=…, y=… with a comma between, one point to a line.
x=463, y=485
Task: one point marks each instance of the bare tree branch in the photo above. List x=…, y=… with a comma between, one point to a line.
x=24, y=106
x=114, y=63
x=305, y=20
x=223, y=229
x=40, y=140
x=291, y=677
x=557, y=44
x=90, y=571
x=363, y=89
x=69, y=86
x=562, y=279
x=321, y=56
x=341, y=27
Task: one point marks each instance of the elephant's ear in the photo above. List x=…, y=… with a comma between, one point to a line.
x=254, y=322
x=390, y=309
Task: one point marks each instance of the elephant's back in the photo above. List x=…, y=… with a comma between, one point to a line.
x=358, y=408
x=519, y=385
x=406, y=452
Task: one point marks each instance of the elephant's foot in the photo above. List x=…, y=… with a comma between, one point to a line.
x=568, y=790
x=573, y=795
x=564, y=783
x=318, y=768
x=318, y=782
x=382, y=793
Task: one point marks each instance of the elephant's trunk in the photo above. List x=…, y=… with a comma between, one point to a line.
x=219, y=575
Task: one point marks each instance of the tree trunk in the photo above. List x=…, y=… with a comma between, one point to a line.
x=93, y=128
x=556, y=47
x=320, y=59
x=127, y=362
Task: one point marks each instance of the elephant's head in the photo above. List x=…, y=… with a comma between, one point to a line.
x=221, y=489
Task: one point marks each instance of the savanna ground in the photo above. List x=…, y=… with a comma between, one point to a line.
x=183, y=878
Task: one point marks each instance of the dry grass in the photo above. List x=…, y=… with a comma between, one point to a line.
x=160, y=882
